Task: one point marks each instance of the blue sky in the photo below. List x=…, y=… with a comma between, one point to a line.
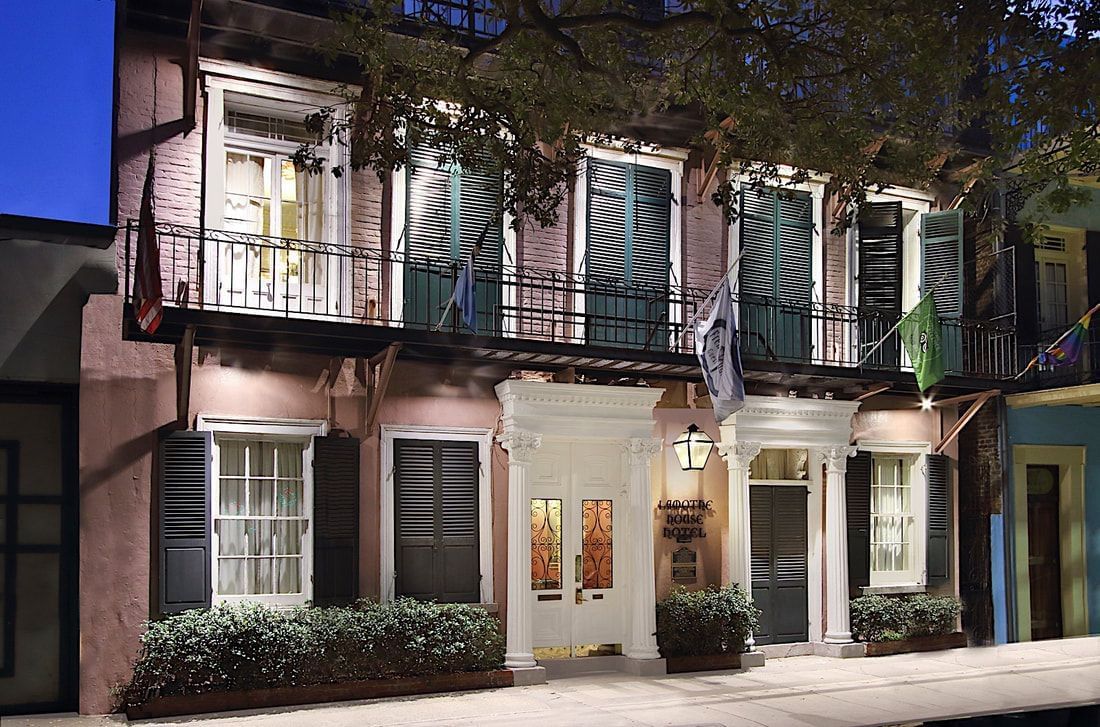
x=56, y=76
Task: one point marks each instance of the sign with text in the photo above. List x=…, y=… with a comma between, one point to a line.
x=684, y=520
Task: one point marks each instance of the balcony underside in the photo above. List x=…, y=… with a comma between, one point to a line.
x=362, y=340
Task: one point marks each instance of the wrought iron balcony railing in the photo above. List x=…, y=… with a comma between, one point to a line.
x=225, y=271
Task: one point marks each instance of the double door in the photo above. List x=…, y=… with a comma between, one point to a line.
x=779, y=555
x=578, y=549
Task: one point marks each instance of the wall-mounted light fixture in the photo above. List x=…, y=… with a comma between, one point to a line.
x=693, y=448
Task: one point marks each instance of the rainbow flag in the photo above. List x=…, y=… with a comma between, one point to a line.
x=1067, y=349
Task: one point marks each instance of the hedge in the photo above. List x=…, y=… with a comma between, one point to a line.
x=892, y=618
x=710, y=621
x=251, y=646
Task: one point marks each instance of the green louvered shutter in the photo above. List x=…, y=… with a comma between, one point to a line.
x=938, y=471
x=879, y=277
x=447, y=210
x=775, y=273
x=627, y=259
x=941, y=236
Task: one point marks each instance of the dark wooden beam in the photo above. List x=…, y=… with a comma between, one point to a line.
x=183, y=375
x=954, y=431
x=191, y=64
x=379, y=392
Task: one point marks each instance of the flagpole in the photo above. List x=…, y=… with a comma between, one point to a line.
x=703, y=305
x=882, y=340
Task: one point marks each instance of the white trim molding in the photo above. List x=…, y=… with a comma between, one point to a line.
x=387, y=528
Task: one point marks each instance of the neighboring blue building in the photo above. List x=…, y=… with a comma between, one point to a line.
x=1051, y=502
x=57, y=214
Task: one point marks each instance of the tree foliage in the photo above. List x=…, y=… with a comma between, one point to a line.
x=986, y=94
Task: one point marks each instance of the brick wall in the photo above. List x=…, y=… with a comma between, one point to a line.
x=980, y=495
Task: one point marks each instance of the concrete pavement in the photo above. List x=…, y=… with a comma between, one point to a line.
x=797, y=691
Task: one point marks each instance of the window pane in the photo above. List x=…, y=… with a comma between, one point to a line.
x=288, y=571
x=289, y=456
x=231, y=455
x=261, y=497
x=231, y=497
x=231, y=576
x=596, y=545
x=545, y=544
x=259, y=537
x=288, y=537
x=262, y=459
x=288, y=499
x=261, y=575
x=232, y=537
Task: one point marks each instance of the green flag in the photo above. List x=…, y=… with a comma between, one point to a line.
x=920, y=332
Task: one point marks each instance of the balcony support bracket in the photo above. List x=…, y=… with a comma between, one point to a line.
x=183, y=375
x=375, y=393
x=957, y=427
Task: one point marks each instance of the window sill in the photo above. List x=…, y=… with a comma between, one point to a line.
x=894, y=590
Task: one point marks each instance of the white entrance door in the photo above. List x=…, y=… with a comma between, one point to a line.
x=579, y=548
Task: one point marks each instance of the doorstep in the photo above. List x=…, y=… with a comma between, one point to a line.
x=576, y=666
x=850, y=650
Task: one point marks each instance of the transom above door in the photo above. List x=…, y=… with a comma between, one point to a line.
x=577, y=590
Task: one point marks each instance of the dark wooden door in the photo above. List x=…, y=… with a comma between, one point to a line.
x=777, y=515
x=1044, y=564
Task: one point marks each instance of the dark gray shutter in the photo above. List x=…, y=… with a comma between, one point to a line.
x=758, y=261
x=938, y=471
x=880, y=256
x=414, y=512
x=184, y=514
x=941, y=260
x=458, y=563
x=436, y=484
x=778, y=555
x=857, y=497
x=335, y=520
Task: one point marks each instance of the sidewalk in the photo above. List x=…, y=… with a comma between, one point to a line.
x=803, y=690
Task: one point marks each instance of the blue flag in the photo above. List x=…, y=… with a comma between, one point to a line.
x=465, y=295
x=719, y=356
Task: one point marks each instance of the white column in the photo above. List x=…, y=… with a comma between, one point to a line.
x=643, y=586
x=837, y=629
x=520, y=446
x=738, y=456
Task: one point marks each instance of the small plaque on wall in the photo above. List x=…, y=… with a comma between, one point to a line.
x=684, y=566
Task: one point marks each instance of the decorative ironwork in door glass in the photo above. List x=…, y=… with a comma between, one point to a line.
x=545, y=544
x=596, y=543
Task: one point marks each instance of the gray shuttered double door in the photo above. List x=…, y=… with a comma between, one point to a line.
x=436, y=519
x=777, y=517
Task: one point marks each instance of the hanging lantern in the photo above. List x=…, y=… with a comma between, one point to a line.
x=693, y=448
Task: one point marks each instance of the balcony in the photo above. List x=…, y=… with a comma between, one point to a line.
x=274, y=293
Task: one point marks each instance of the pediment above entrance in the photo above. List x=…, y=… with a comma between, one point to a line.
x=578, y=410
x=776, y=421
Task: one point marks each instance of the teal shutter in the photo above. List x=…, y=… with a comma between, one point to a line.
x=627, y=259
x=775, y=273
x=941, y=235
x=941, y=267
x=447, y=212
x=938, y=472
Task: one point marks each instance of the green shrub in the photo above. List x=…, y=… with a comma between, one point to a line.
x=251, y=646
x=710, y=621
x=892, y=618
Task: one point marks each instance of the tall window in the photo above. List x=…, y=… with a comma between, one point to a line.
x=894, y=533
x=262, y=503
x=1052, y=283
x=265, y=194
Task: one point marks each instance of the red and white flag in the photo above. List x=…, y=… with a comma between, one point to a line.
x=148, y=289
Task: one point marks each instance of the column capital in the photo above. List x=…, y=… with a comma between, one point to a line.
x=739, y=454
x=520, y=445
x=640, y=450
x=836, y=457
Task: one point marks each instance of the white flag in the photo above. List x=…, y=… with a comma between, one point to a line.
x=719, y=356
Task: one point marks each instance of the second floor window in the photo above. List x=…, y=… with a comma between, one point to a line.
x=1052, y=284
x=281, y=215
